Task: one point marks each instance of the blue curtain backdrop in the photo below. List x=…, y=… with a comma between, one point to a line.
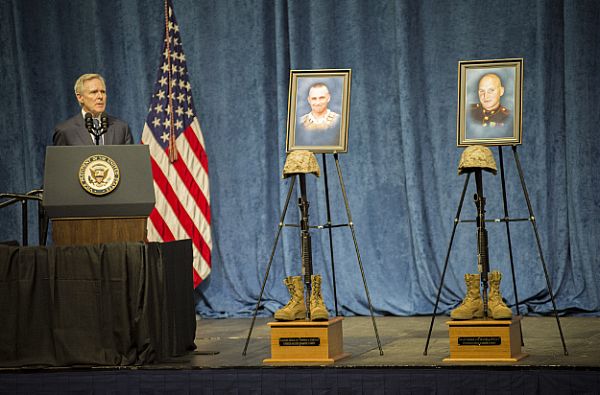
x=401, y=168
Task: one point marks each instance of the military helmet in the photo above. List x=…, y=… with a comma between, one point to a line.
x=301, y=161
x=477, y=157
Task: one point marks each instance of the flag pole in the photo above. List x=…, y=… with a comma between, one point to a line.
x=172, y=145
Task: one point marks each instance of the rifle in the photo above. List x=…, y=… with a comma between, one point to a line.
x=483, y=263
x=307, y=269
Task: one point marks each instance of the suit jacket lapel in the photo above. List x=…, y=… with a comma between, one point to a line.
x=82, y=132
x=108, y=136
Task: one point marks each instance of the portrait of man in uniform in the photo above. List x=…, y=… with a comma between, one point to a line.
x=318, y=110
x=490, y=102
x=320, y=118
x=490, y=112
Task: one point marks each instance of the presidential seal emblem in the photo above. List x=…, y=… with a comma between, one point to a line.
x=99, y=175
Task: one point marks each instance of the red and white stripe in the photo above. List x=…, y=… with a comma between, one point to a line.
x=182, y=195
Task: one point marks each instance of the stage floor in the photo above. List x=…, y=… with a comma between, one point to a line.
x=403, y=341
x=402, y=369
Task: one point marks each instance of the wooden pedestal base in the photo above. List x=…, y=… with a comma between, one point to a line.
x=306, y=342
x=485, y=340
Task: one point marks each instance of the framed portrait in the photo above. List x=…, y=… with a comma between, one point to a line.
x=490, y=94
x=318, y=110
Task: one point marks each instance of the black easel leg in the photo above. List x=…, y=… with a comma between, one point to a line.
x=506, y=222
x=24, y=223
x=330, y=233
x=439, y=292
x=360, y=265
x=539, y=246
x=262, y=288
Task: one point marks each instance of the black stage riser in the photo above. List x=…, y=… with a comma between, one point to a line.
x=330, y=380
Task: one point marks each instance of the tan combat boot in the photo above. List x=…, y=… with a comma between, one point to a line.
x=472, y=305
x=318, y=310
x=497, y=309
x=294, y=309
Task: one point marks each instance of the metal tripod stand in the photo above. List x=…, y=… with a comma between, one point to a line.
x=327, y=226
x=506, y=219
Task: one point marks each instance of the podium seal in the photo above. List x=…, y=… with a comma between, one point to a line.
x=99, y=175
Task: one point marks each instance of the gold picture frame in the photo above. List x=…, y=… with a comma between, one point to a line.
x=490, y=102
x=318, y=110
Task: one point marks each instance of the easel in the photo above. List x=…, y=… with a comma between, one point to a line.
x=329, y=226
x=506, y=219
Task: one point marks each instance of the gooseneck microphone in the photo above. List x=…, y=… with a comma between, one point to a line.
x=103, y=122
x=95, y=128
x=89, y=122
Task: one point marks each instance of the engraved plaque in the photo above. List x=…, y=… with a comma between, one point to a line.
x=300, y=341
x=479, y=341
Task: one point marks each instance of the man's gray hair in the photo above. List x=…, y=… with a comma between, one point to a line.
x=86, y=77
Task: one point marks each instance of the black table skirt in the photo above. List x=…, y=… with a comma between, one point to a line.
x=108, y=304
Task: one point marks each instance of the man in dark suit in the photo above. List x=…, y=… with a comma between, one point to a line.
x=90, y=91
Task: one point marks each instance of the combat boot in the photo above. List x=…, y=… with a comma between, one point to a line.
x=294, y=309
x=497, y=309
x=472, y=305
x=318, y=310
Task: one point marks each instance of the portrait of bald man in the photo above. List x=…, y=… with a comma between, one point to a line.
x=490, y=112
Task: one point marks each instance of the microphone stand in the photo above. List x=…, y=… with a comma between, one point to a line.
x=97, y=134
x=483, y=263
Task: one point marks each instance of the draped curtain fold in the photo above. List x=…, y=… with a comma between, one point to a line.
x=401, y=169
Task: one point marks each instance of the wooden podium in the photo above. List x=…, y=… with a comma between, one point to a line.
x=485, y=340
x=306, y=342
x=78, y=231
x=80, y=217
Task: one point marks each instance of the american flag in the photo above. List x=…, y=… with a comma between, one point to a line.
x=178, y=157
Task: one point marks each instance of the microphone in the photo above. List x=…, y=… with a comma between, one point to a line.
x=89, y=122
x=104, y=122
